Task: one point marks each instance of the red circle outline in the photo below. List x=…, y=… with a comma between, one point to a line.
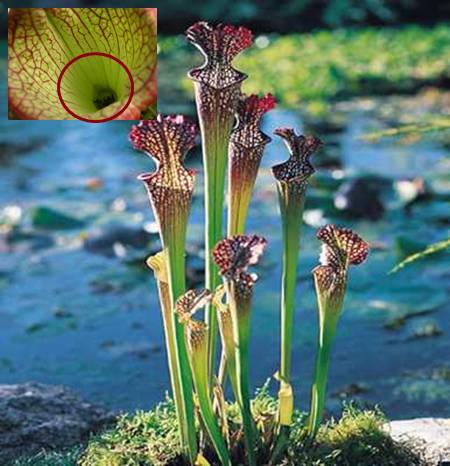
x=100, y=54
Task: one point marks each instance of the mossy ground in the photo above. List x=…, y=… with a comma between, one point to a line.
x=60, y=458
x=150, y=438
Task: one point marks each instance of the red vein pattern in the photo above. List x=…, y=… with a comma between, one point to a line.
x=42, y=40
x=342, y=247
x=190, y=302
x=246, y=148
x=219, y=45
x=297, y=169
x=234, y=255
x=170, y=187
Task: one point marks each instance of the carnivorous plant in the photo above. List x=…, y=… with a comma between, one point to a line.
x=232, y=139
x=341, y=248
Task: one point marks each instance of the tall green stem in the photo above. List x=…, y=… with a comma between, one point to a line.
x=291, y=214
x=240, y=311
x=197, y=337
x=170, y=189
x=215, y=149
x=341, y=248
x=319, y=387
x=217, y=88
x=159, y=266
x=292, y=180
x=291, y=207
x=177, y=286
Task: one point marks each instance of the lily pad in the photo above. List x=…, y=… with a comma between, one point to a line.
x=406, y=300
x=50, y=219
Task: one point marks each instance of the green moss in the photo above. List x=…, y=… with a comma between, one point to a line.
x=357, y=439
x=151, y=439
x=144, y=438
x=60, y=458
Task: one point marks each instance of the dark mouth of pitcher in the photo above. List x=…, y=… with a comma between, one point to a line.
x=104, y=97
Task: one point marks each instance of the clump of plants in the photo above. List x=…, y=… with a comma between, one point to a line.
x=151, y=438
x=199, y=324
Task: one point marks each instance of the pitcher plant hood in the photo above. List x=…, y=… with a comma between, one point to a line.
x=247, y=144
x=297, y=169
x=234, y=255
x=219, y=45
x=189, y=303
x=341, y=248
x=166, y=140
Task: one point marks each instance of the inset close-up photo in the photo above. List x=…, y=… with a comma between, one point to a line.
x=89, y=64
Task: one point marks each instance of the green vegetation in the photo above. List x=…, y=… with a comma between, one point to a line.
x=302, y=69
x=357, y=439
x=293, y=16
x=431, y=124
x=151, y=439
x=143, y=438
x=430, y=249
x=191, y=342
x=51, y=458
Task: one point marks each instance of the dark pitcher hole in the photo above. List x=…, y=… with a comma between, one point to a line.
x=103, y=97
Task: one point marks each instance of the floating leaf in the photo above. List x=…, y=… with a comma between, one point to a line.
x=50, y=219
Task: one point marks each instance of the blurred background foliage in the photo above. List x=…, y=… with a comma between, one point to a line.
x=317, y=68
x=276, y=16
x=298, y=15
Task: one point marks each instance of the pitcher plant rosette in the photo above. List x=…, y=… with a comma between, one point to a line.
x=103, y=60
x=232, y=140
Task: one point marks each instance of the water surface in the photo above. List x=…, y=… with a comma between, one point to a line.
x=76, y=317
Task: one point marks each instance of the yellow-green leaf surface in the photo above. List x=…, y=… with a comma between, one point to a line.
x=41, y=41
